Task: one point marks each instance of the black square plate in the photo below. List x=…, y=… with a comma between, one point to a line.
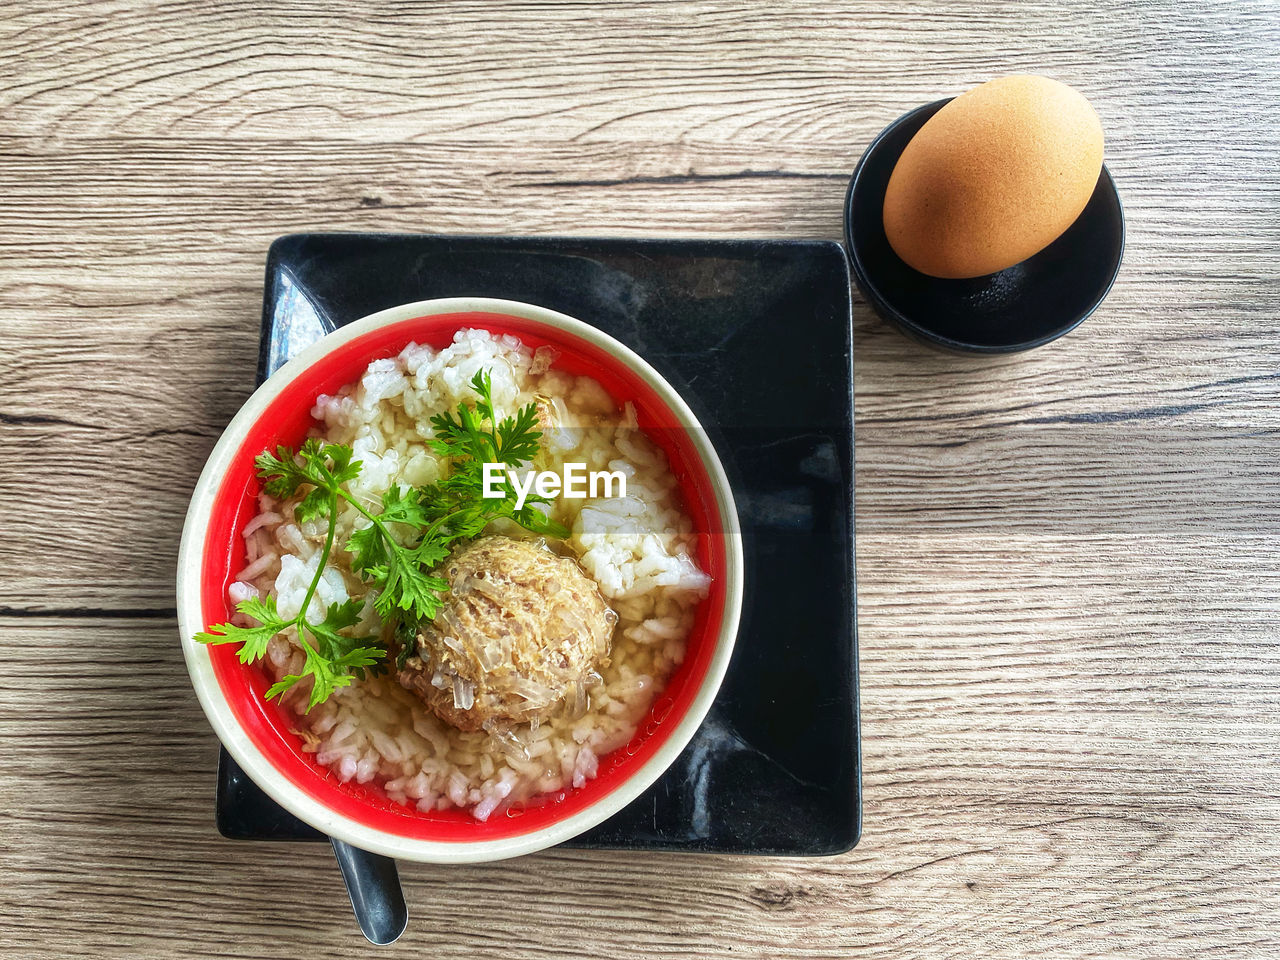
x=756, y=337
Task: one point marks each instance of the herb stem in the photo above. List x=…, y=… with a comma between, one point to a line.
x=365, y=513
x=324, y=558
x=435, y=525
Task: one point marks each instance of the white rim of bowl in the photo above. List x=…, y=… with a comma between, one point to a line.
x=294, y=798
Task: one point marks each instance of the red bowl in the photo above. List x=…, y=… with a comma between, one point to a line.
x=258, y=734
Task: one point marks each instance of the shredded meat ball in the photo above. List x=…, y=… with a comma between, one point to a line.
x=519, y=638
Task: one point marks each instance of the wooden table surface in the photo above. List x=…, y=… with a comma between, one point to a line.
x=1067, y=559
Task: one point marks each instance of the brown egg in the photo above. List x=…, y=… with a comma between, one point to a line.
x=993, y=177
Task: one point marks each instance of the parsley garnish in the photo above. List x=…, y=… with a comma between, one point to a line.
x=459, y=498
x=436, y=516
x=332, y=659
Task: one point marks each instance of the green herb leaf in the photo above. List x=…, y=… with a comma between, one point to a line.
x=531, y=518
x=253, y=640
x=403, y=507
x=518, y=436
x=405, y=637
x=314, y=506
x=330, y=642
x=282, y=473
x=406, y=586
x=366, y=548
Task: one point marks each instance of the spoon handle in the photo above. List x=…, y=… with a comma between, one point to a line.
x=374, y=887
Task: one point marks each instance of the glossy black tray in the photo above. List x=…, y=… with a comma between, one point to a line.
x=756, y=337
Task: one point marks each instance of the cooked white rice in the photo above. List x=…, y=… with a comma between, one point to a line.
x=638, y=549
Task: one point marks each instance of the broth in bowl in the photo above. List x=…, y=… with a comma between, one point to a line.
x=508, y=646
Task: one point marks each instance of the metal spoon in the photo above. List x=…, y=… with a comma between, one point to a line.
x=374, y=887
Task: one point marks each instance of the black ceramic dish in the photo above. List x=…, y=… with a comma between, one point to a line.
x=756, y=337
x=1022, y=307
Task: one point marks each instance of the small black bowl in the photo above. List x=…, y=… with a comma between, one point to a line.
x=1025, y=306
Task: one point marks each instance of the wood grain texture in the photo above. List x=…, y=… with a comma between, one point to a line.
x=1068, y=582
